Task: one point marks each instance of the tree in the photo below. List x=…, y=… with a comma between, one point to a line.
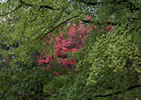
x=108, y=64
x=27, y=22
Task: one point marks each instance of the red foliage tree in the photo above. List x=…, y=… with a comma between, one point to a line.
x=66, y=42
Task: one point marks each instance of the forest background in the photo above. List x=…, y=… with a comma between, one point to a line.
x=70, y=49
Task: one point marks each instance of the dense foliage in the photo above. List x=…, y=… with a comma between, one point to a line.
x=70, y=49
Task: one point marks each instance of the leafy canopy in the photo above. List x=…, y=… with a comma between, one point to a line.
x=108, y=64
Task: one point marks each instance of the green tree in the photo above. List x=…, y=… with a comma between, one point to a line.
x=26, y=22
x=108, y=65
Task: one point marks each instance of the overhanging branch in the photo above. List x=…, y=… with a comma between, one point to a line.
x=24, y=3
x=60, y=24
x=11, y=11
x=55, y=27
x=42, y=6
x=118, y=92
x=126, y=3
x=90, y=3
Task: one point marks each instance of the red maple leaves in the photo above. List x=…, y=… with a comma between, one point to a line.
x=70, y=41
x=109, y=28
x=67, y=42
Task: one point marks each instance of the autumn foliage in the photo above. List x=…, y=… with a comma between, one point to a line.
x=70, y=41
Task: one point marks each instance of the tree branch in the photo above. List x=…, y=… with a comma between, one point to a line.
x=128, y=4
x=60, y=24
x=11, y=11
x=118, y=92
x=55, y=27
x=90, y=3
x=42, y=6
x=23, y=3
